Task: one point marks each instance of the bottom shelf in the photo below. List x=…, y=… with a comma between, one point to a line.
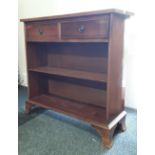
x=86, y=112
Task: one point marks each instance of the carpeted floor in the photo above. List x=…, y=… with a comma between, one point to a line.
x=45, y=132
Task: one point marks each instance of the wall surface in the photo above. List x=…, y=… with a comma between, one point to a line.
x=36, y=8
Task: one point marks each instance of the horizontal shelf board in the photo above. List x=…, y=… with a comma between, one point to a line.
x=86, y=112
x=73, y=40
x=100, y=77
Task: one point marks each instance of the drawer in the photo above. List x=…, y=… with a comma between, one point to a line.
x=86, y=29
x=42, y=31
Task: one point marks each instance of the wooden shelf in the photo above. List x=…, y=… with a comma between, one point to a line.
x=74, y=41
x=89, y=113
x=100, y=77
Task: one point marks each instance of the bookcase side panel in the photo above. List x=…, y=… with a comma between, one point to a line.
x=115, y=59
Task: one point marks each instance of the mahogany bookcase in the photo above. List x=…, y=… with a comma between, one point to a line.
x=74, y=66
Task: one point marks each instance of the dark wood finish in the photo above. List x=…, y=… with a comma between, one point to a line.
x=107, y=132
x=75, y=41
x=39, y=31
x=74, y=65
x=35, y=55
x=106, y=135
x=37, y=84
x=121, y=13
x=86, y=29
x=76, y=109
x=101, y=77
x=115, y=61
x=78, y=56
x=69, y=90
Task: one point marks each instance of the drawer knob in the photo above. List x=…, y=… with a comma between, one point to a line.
x=81, y=28
x=40, y=31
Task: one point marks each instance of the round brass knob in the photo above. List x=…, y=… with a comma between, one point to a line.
x=81, y=28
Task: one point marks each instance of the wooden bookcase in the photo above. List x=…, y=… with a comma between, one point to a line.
x=74, y=66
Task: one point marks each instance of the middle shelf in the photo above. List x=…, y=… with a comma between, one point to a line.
x=78, y=74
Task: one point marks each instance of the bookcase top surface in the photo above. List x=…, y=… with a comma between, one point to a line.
x=122, y=13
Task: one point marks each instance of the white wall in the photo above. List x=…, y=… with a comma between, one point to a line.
x=36, y=8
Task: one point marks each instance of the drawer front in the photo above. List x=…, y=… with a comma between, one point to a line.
x=86, y=29
x=42, y=32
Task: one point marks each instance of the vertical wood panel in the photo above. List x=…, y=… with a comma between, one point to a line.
x=114, y=85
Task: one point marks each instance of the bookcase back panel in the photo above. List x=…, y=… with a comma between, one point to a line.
x=90, y=93
x=87, y=57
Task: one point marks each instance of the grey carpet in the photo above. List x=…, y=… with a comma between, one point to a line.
x=45, y=132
